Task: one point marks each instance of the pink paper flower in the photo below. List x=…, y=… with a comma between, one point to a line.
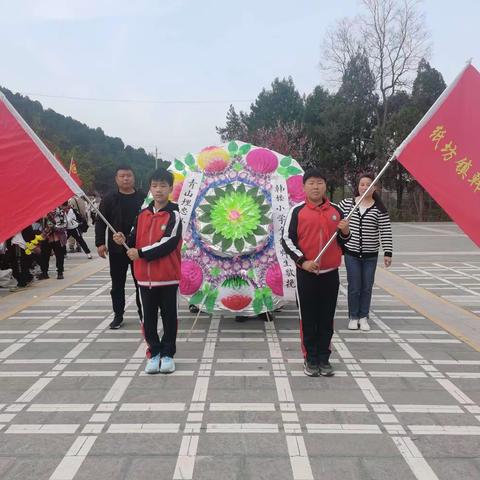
x=262, y=160
x=218, y=165
x=192, y=277
x=177, y=188
x=295, y=189
x=274, y=279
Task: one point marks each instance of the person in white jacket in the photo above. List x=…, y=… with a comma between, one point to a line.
x=73, y=231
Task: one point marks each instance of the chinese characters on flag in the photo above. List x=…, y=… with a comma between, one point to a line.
x=443, y=152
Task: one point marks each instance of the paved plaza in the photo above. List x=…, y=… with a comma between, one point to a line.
x=404, y=402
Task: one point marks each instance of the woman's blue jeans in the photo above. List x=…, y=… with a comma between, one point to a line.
x=360, y=276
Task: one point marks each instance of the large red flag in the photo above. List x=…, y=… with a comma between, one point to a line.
x=443, y=152
x=33, y=181
x=73, y=171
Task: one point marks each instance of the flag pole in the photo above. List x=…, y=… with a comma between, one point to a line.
x=436, y=105
x=100, y=214
x=357, y=205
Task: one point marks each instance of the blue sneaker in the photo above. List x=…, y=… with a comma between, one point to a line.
x=153, y=364
x=168, y=365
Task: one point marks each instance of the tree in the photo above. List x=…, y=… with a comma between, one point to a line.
x=403, y=119
x=97, y=155
x=280, y=105
x=427, y=87
x=392, y=35
x=235, y=129
x=342, y=125
x=317, y=120
x=287, y=139
x=357, y=104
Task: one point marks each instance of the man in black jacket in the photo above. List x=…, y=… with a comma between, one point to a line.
x=120, y=208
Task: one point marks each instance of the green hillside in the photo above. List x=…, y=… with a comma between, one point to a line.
x=97, y=154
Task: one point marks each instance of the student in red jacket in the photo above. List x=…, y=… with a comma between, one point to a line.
x=155, y=242
x=308, y=228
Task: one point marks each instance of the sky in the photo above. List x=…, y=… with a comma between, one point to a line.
x=161, y=74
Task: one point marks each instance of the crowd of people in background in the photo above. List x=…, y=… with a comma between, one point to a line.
x=25, y=257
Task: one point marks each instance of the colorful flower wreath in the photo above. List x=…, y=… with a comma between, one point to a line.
x=229, y=254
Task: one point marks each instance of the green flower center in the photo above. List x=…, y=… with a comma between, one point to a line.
x=236, y=215
x=233, y=219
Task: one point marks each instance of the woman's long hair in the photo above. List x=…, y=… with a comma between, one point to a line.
x=375, y=196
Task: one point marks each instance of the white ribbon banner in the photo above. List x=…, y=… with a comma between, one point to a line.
x=281, y=207
x=188, y=195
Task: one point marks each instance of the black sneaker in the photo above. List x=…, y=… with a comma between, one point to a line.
x=116, y=323
x=310, y=369
x=326, y=369
x=193, y=309
x=43, y=276
x=60, y=276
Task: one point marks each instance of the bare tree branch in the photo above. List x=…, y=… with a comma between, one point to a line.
x=340, y=45
x=392, y=34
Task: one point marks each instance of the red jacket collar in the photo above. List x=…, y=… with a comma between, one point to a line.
x=323, y=206
x=169, y=207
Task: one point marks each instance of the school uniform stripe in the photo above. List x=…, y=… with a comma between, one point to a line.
x=289, y=235
x=168, y=236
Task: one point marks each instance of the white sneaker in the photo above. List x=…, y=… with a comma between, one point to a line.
x=153, y=365
x=364, y=324
x=167, y=365
x=353, y=324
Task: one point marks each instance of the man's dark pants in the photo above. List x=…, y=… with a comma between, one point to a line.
x=119, y=263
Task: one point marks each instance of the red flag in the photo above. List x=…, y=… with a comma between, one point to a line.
x=74, y=172
x=33, y=181
x=443, y=152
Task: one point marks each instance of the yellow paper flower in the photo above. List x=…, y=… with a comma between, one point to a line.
x=213, y=159
x=178, y=177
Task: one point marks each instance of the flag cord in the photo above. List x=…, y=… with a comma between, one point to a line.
x=357, y=205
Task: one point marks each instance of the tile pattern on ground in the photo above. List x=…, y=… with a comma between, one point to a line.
x=404, y=402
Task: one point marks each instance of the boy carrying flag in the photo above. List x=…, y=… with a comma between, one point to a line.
x=308, y=227
x=155, y=242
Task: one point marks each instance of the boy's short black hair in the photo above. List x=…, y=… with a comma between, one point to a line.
x=314, y=173
x=124, y=167
x=161, y=174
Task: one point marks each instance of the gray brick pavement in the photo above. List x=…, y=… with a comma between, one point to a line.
x=75, y=403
